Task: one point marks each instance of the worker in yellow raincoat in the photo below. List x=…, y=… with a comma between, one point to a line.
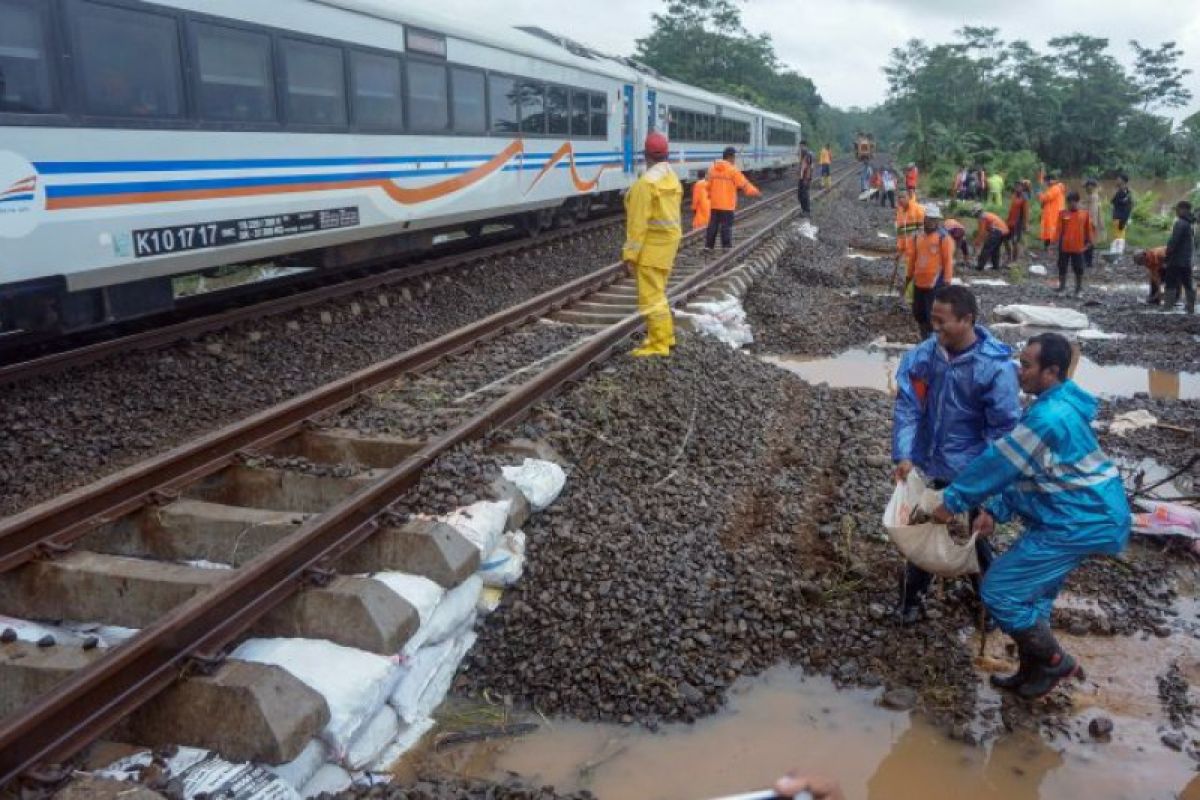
x=652, y=233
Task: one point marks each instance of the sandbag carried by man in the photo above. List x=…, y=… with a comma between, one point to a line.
x=1050, y=473
x=956, y=392
x=652, y=232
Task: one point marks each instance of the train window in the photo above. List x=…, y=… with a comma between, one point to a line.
x=579, y=113
x=557, y=121
x=470, y=105
x=315, y=83
x=600, y=115
x=779, y=137
x=428, y=100
x=533, y=107
x=234, y=78
x=378, y=92
x=502, y=97
x=25, y=78
x=128, y=61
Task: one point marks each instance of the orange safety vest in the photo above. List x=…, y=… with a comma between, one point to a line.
x=931, y=260
x=1077, y=231
x=987, y=223
x=724, y=181
x=909, y=218
x=701, y=206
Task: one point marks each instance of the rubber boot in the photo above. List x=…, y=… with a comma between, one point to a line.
x=911, y=608
x=1050, y=662
x=1010, y=683
x=1170, y=298
x=1190, y=305
x=1078, y=284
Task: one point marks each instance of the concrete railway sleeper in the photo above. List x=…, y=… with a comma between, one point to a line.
x=294, y=532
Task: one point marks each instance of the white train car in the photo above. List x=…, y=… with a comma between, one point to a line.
x=143, y=140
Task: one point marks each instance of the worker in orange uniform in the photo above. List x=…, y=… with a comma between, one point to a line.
x=988, y=237
x=825, y=161
x=724, y=182
x=1052, y=199
x=909, y=216
x=911, y=174
x=930, y=266
x=652, y=233
x=958, y=232
x=1155, y=262
x=701, y=205
x=1076, y=233
x=1018, y=220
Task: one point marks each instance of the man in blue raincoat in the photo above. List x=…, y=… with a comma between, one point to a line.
x=957, y=391
x=1051, y=473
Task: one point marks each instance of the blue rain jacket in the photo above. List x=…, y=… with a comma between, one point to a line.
x=947, y=408
x=1051, y=473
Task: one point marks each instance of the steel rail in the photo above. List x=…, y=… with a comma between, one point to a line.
x=91, y=700
x=53, y=525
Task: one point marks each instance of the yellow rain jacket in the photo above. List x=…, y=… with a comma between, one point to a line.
x=652, y=218
x=652, y=233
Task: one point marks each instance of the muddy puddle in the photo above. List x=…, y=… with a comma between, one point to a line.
x=783, y=719
x=876, y=369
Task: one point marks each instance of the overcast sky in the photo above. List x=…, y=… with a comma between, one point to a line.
x=843, y=44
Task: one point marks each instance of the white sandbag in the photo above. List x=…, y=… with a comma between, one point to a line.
x=353, y=682
x=372, y=740
x=421, y=593
x=808, y=230
x=506, y=563
x=540, y=481
x=482, y=523
x=1099, y=335
x=204, y=772
x=929, y=544
x=1124, y=424
x=407, y=740
x=422, y=668
x=1037, y=269
x=67, y=634
x=1117, y=248
x=300, y=769
x=457, y=606
x=723, y=320
x=1043, y=316
x=988, y=282
x=439, y=687
x=329, y=778
x=1159, y=518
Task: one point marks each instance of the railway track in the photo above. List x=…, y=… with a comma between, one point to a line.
x=210, y=313
x=61, y=559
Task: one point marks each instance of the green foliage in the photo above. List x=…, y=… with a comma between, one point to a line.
x=981, y=99
x=703, y=42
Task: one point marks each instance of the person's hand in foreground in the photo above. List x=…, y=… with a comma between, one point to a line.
x=820, y=788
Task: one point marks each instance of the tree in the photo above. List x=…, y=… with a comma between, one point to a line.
x=1157, y=78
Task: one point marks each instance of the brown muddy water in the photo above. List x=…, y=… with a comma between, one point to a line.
x=876, y=369
x=782, y=719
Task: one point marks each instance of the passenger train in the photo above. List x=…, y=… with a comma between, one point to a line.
x=144, y=140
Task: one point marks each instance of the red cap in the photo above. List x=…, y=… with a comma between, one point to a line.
x=657, y=146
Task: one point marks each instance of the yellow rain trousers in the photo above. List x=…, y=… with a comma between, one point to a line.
x=652, y=234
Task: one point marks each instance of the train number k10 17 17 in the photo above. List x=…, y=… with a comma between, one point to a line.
x=181, y=238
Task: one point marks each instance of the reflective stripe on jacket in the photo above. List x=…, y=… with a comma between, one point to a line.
x=1050, y=472
x=909, y=218
x=724, y=181
x=931, y=260
x=969, y=400
x=652, y=225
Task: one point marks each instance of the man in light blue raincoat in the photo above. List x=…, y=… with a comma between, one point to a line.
x=1051, y=474
x=956, y=391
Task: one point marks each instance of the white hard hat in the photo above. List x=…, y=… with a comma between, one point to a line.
x=933, y=210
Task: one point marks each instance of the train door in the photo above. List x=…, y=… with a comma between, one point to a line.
x=627, y=132
x=651, y=110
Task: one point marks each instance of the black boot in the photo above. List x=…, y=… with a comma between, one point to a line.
x=914, y=583
x=1049, y=661
x=1170, y=298
x=1011, y=683
x=1078, y=284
